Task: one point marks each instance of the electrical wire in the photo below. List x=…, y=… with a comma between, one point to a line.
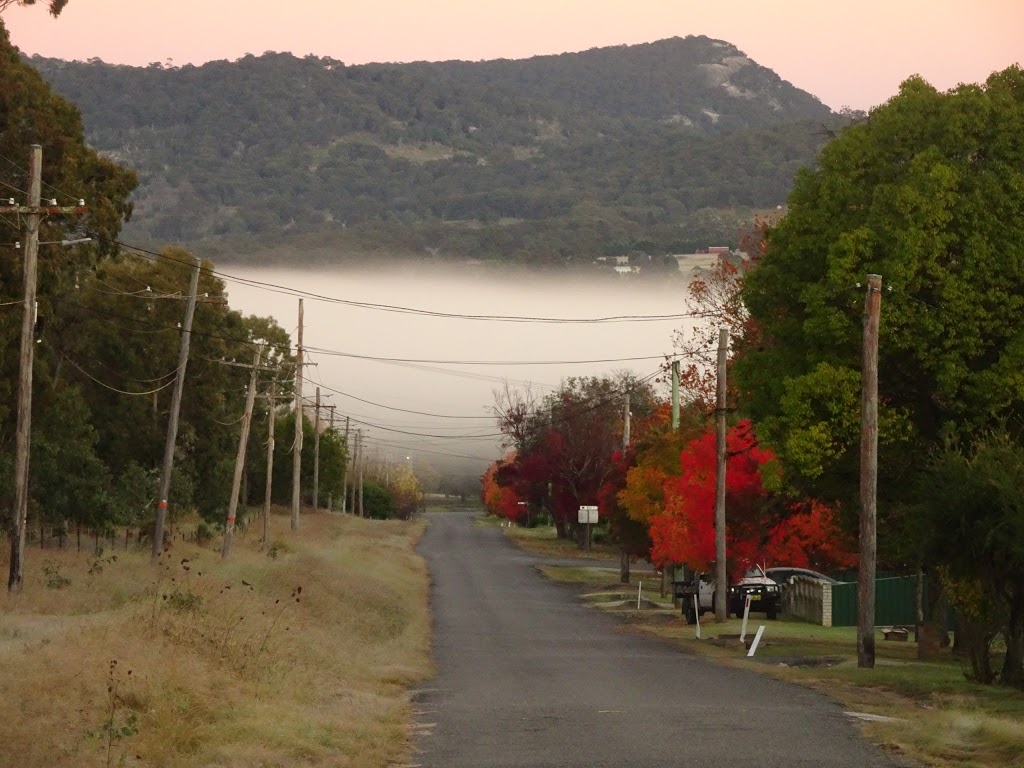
x=402, y=410
x=492, y=435
x=424, y=450
x=103, y=365
x=397, y=360
x=44, y=183
x=336, y=353
x=228, y=423
x=11, y=186
x=115, y=389
x=396, y=308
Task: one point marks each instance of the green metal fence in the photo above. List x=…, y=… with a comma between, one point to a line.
x=894, y=602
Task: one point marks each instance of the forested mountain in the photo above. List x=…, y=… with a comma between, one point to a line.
x=656, y=147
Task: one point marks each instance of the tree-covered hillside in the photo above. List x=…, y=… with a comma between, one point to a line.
x=709, y=84
x=555, y=158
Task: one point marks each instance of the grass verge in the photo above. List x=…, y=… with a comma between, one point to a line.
x=936, y=716
x=543, y=540
x=293, y=654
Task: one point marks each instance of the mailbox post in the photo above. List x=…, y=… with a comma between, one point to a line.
x=588, y=517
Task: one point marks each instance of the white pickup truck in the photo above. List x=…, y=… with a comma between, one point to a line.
x=765, y=594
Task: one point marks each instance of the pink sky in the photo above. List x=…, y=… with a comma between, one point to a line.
x=845, y=52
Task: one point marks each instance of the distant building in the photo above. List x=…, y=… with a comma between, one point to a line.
x=694, y=263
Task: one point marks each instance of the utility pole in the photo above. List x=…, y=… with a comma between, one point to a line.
x=721, y=577
x=316, y=453
x=675, y=395
x=270, y=459
x=868, y=476
x=623, y=554
x=172, y=424
x=344, y=471
x=33, y=213
x=625, y=425
x=362, y=462
x=330, y=496
x=297, y=446
x=243, y=441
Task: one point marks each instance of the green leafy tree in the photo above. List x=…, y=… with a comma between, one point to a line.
x=971, y=518
x=69, y=479
x=929, y=193
x=379, y=501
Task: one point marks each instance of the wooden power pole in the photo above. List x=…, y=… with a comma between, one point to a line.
x=316, y=452
x=623, y=553
x=172, y=423
x=243, y=442
x=625, y=424
x=344, y=471
x=675, y=395
x=297, y=446
x=330, y=496
x=33, y=213
x=270, y=460
x=362, y=461
x=721, y=573
x=868, y=476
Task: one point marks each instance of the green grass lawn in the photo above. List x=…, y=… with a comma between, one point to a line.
x=940, y=717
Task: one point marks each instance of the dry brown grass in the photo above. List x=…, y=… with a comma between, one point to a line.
x=543, y=540
x=219, y=663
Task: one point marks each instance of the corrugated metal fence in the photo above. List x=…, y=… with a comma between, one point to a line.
x=894, y=602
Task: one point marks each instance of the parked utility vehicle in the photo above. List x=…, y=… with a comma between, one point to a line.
x=765, y=594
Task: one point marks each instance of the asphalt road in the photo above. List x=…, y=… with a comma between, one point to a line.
x=530, y=676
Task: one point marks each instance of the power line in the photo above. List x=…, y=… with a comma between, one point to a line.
x=413, y=449
x=115, y=389
x=490, y=436
x=44, y=183
x=335, y=353
x=397, y=360
x=401, y=410
x=396, y=308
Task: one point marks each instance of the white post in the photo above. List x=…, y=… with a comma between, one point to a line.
x=757, y=639
x=696, y=610
x=639, y=589
x=746, y=614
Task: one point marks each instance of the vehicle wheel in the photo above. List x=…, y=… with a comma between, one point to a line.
x=772, y=612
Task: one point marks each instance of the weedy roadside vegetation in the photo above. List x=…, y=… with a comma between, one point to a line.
x=299, y=652
x=938, y=717
x=543, y=540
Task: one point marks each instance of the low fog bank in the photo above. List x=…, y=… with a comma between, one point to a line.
x=453, y=430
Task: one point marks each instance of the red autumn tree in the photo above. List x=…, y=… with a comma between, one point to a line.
x=565, y=443
x=811, y=538
x=690, y=503
x=501, y=500
x=759, y=527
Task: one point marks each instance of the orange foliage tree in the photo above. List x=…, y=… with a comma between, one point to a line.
x=760, y=527
x=501, y=501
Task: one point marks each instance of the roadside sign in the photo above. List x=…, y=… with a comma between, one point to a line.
x=588, y=515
